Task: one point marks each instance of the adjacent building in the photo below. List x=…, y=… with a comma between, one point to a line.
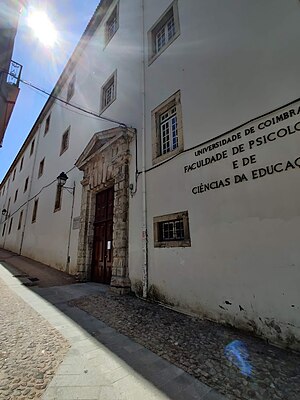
x=10, y=71
x=170, y=164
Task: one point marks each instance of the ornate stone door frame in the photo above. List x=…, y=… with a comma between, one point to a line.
x=105, y=163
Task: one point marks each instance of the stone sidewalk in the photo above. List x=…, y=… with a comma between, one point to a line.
x=113, y=367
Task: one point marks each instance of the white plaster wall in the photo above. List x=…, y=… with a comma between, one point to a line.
x=233, y=61
x=12, y=241
x=46, y=240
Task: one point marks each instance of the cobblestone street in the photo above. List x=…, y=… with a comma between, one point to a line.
x=198, y=347
x=30, y=349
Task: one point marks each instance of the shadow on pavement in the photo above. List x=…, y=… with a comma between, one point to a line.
x=59, y=288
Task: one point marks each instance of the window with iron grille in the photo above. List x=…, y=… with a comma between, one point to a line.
x=167, y=133
x=109, y=91
x=47, y=124
x=163, y=32
x=112, y=24
x=65, y=141
x=71, y=88
x=172, y=230
x=34, y=212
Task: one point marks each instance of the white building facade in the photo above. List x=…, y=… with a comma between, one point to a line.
x=183, y=176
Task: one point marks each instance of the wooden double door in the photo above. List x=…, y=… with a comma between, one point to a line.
x=103, y=234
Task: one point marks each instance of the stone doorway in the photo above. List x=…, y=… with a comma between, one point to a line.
x=105, y=164
x=102, y=257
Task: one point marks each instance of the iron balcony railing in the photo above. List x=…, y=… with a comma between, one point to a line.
x=14, y=73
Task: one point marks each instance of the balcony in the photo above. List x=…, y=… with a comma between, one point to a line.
x=9, y=90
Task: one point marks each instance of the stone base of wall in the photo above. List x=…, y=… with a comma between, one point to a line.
x=120, y=285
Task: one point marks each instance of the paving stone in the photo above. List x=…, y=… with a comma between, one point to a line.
x=196, y=346
x=31, y=347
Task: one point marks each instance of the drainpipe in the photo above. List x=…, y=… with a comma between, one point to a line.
x=29, y=188
x=70, y=230
x=144, y=197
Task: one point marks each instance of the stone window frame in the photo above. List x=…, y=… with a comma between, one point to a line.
x=112, y=80
x=41, y=167
x=112, y=21
x=21, y=163
x=65, y=141
x=172, y=101
x=157, y=221
x=161, y=24
x=71, y=88
x=26, y=184
x=34, y=211
x=32, y=147
x=10, y=225
x=20, y=220
x=47, y=124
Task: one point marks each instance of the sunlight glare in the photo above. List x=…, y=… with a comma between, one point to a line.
x=42, y=27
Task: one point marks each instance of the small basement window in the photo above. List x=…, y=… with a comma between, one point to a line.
x=172, y=230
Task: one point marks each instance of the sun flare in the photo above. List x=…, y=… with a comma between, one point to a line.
x=42, y=28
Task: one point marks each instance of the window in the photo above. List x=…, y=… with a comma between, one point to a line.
x=20, y=220
x=112, y=24
x=21, y=164
x=163, y=32
x=16, y=196
x=71, y=88
x=172, y=230
x=58, y=197
x=47, y=124
x=26, y=184
x=41, y=168
x=109, y=91
x=3, y=230
x=10, y=225
x=65, y=141
x=34, y=213
x=32, y=148
x=14, y=174
x=167, y=134
x=8, y=204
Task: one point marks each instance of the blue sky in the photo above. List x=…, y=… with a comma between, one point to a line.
x=41, y=66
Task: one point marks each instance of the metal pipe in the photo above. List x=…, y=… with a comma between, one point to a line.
x=144, y=197
x=70, y=230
